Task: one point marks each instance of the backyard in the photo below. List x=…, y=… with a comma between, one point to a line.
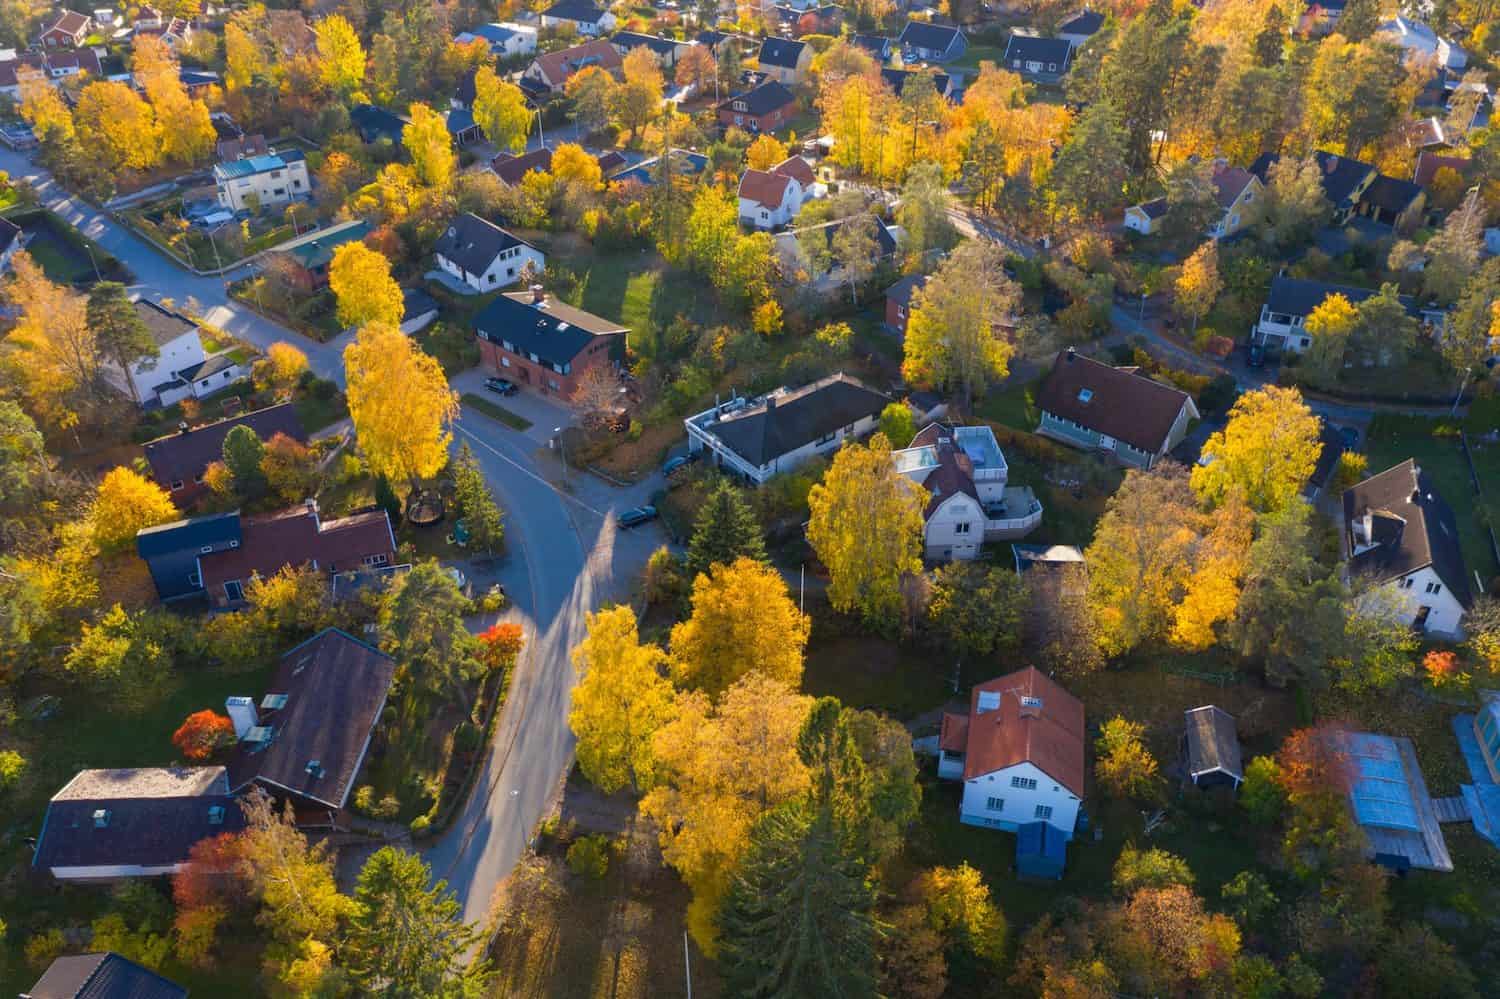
x=163, y=223
x=64, y=254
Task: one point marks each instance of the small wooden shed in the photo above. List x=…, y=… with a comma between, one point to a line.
x=1212, y=748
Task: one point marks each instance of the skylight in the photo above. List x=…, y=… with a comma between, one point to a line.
x=1084, y=395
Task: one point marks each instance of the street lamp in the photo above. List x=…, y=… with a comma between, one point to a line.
x=562, y=449
x=218, y=261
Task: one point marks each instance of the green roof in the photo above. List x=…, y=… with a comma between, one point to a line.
x=318, y=252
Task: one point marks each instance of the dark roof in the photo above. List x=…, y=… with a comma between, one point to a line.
x=374, y=124
x=779, y=424
x=511, y=168
x=877, y=45
x=1125, y=405
x=712, y=38
x=575, y=10
x=459, y=121
x=335, y=687
x=762, y=99
x=941, y=82
x=9, y=231
x=473, y=243
x=194, y=533
x=415, y=301
x=629, y=40
x=683, y=162
x=1154, y=209
x=922, y=35
x=1212, y=743
x=296, y=536
x=610, y=160
x=1300, y=296
x=902, y=290
x=1029, y=48
x=207, y=368
x=782, y=52
x=883, y=235
x=555, y=331
x=1413, y=528
x=184, y=456
x=102, y=976
x=1428, y=164
x=953, y=473
x=242, y=147
x=163, y=324
x=1390, y=195
x=463, y=91
x=1085, y=22
x=1341, y=175
x=152, y=817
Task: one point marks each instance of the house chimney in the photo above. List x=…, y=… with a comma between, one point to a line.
x=182, y=426
x=538, y=295
x=1071, y=354
x=241, y=711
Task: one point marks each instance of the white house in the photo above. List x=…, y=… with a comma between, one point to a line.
x=964, y=475
x=181, y=368
x=273, y=179
x=581, y=15
x=1418, y=41
x=1292, y=300
x=1019, y=752
x=484, y=256
x=1402, y=538
x=769, y=199
x=506, y=39
x=757, y=438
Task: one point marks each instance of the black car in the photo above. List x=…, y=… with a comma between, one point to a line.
x=677, y=464
x=501, y=386
x=637, y=516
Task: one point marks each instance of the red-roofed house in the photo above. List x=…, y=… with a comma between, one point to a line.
x=1019, y=752
x=769, y=200
x=70, y=30
x=511, y=169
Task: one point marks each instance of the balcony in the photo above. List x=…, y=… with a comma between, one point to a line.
x=1013, y=517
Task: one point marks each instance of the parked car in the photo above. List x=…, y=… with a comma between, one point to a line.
x=677, y=464
x=501, y=386
x=637, y=516
x=1257, y=355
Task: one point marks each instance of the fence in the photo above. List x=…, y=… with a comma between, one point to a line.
x=1489, y=529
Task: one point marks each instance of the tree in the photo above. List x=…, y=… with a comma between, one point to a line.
x=923, y=213
x=620, y=702
x=898, y=424
x=1482, y=625
x=53, y=338
x=407, y=935
x=294, y=881
x=202, y=734
x=953, y=335
x=591, y=91
x=127, y=502
x=1089, y=174
x=422, y=620
x=281, y=369
x=1192, y=200
x=23, y=455
x=400, y=404
x=725, y=766
x=856, y=247
x=866, y=527
x=1386, y=332
x=1329, y=327
x=341, y=54
x=1377, y=641
x=500, y=111
x=1267, y=451
x=1123, y=765
x=119, y=332
x=1474, y=324
x=1294, y=204
x=243, y=453
x=725, y=531
x=1453, y=253
x=289, y=467
x=743, y=621
x=696, y=67
x=430, y=147
x=765, y=152
x=1198, y=286
x=115, y=124
x=638, y=99
x=1153, y=868
x=476, y=505
x=362, y=284
x=960, y=909
x=1162, y=940
x=976, y=609
x=1414, y=961
x=12, y=767
x=578, y=177
x=1359, y=20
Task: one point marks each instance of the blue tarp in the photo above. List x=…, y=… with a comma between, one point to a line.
x=1041, y=850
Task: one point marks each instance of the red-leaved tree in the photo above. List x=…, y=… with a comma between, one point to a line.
x=216, y=875
x=502, y=644
x=202, y=734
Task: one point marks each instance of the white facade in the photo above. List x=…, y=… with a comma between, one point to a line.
x=1418, y=41
x=1421, y=600
x=141, y=382
x=1012, y=796
x=510, y=40
x=1277, y=329
x=763, y=216
x=955, y=530
x=587, y=29
x=504, y=270
x=960, y=524
x=278, y=182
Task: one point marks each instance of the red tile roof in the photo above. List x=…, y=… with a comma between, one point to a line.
x=767, y=189
x=954, y=735
x=295, y=537
x=1428, y=165
x=557, y=67
x=1229, y=184
x=797, y=168
x=1050, y=736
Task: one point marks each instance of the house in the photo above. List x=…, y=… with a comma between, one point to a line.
x=537, y=341
x=174, y=32
x=922, y=41
x=1388, y=200
x=1019, y=752
x=1478, y=737
x=799, y=21
x=1079, y=28
x=109, y=825
x=484, y=256
x=769, y=199
x=829, y=271
x=1344, y=179
x=785, y=60
x=1330, y=448
x=147, y=19
x=181, y=367
x=682, y=162
x=879, y=47
x=1238, y=193
x=765, y=108
x=1389, y=801
x=1428, y=165
x=964, y=475
x=101, y=976
x=943, y=83
x=1211, y=748
x=307, y=738
x=1040, y=60
x=1292, y=300
x=666, y=50
x=1116, y=410
x=1401, y=537
x=462, y=127
x=307, y=259
x=505, y=39
x=580, y=15
x=179, y=460
x=1418, y=42
x=48, y=64
x=69, y=30
x=12, y=239
x=552, y=70
x=758, y=438
x=1147, y=217
x=511, y=169
x=376, y=124
x=611, y=161
x=241, y=147
x=1428, y=133
x=898, y=301
x=171, y=551
x=249, y=185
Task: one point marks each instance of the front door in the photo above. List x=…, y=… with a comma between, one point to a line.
x=1420, y=624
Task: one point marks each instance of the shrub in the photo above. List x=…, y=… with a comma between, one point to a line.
x=492, y=601
x=420, y=825
x=386, y=808
x=44, y=948
x=466, y=737
x=1442, y=668
x=1261, y=793
x=12, y=765
x=589, y=856
x=364, y=799
x=202, y=734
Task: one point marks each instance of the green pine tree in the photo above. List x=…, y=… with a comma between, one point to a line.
x=475, y=503
x=726, y=529
x=118, y=329
x=386, y=498
x=242, y=452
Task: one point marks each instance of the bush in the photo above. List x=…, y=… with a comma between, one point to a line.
x=420, y=825
x=386, y=808
x=492, y=601
x=364, y=799
x=44, y=948
x=589, y=856
x=1261, y=793
x=467, y=737
x=12, y=765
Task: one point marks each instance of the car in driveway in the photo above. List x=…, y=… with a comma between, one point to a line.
x=636, y=516
x=677, y=464
x=501, y=386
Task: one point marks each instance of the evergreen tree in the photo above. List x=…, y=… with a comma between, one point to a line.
x=386, y=498
x=475, y=503
x=407, y=938
x=1272, y=38
x=1359, y=20
x=242, y=453
x=119, y=332
x=726, y=530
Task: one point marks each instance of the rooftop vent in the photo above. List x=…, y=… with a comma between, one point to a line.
x=101, y=818
x=989, y=700
x=314, y=768
x=216, y=815
x=1084, y=395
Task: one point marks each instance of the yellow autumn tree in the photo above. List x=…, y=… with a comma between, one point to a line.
x=430, y=147
x=621, y=700
x=1212, y=591
x=400, y=403
x=283, y=366
x=116, y=125
x=1267, y=450
x=125, y=503
x=42, y=106
x=866, y=527
x=765, y=152
x=58, y=349
x=1198, y=286
x=363, y=287
x=953, y=336
x=187, y=132
x=725, y=767
x=244, y=59
x=743, y=619
x=341, y=54
x=1329, y=327
x=500, y=111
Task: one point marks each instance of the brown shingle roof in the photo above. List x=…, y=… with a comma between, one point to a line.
x=1050, y=737
x=296, y=537
x=1125, y=405
x=184, y=456
x=763, y=188
x=511, y=169
x=1428, y=165
x=1229, y=184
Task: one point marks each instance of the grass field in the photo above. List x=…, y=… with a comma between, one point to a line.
x=976, y=54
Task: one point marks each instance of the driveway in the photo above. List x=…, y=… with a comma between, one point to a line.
x=546, y=413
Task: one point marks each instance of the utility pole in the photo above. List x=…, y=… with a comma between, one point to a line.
x=687, y=964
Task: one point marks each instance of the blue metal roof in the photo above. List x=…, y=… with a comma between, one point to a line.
x=252, y=165
x=194, y=532
x=1382, y=793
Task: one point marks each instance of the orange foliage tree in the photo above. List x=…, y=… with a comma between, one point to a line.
x=202, y=734
x=1441, y=667
x=501, y=644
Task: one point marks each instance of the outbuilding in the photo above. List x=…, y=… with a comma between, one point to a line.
x=1211, y=748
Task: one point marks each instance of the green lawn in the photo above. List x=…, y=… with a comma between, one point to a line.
x=1013, y=406
x=977, y=54
x=316, y=413
x=495, y=411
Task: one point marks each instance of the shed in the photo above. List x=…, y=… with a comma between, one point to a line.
x=1041, y=851
x=1212, y=748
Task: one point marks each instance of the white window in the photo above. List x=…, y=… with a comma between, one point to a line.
x=233, y=590
x=195, y=580
x=1024, y=783
x=1044, y=811
x=1434, y=587
x=995, y=804
x=961, y=528
x=376, y=560
x=206, y=550
x=505, y=362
